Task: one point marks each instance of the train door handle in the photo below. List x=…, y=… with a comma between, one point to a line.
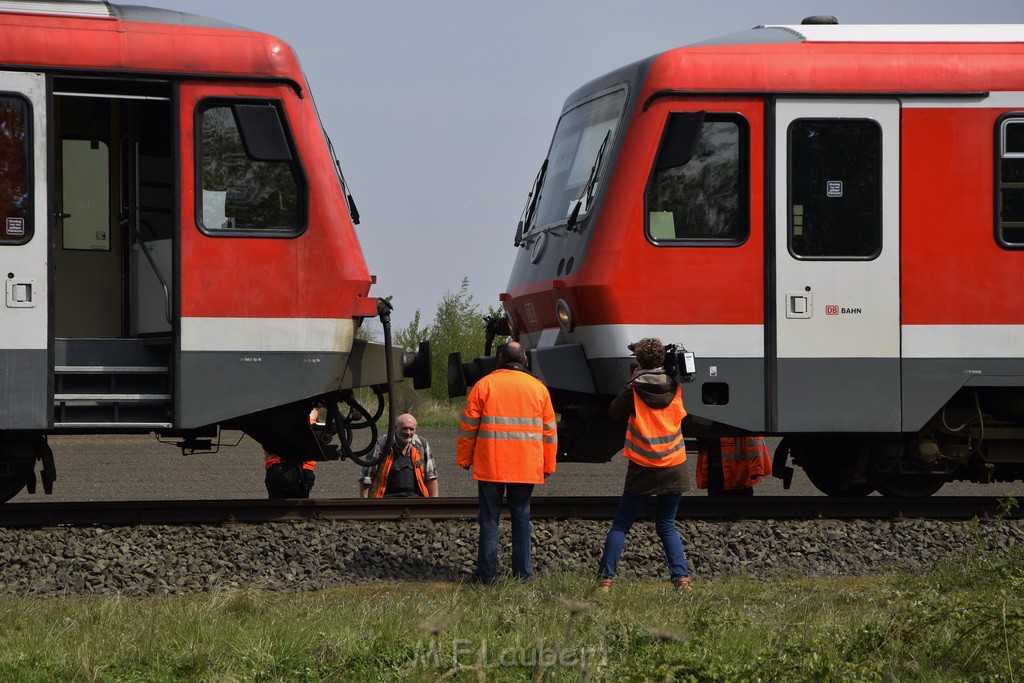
x=20, y=293
x=799, y=304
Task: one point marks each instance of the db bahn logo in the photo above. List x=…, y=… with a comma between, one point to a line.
x=836, y=310
x=831, y=310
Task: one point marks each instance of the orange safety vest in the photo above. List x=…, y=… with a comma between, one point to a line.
x=508, y=432
x=272, y=459
x=380, y=482
x=654, y=436
x=740, y=469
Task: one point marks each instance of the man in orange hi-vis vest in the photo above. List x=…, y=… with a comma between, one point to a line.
x=731, y=466
x=508, y=436
x=406, y=471
x=289, y=478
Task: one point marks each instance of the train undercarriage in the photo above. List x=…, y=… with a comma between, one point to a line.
x=350, y=420
x=348, y=428
x=978, y=436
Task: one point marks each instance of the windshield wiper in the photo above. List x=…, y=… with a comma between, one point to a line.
x=353, y=212
x=588, y=189
x=531, y=205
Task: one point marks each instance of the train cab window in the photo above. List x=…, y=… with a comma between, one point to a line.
x=1010, y=184
x=15, y=172
x=251, y=182
x=698, y=187
x=578, y=158
x=835, y=189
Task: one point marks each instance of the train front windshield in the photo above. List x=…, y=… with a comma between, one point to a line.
x=584, y=134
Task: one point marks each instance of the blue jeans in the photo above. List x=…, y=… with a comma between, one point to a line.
x=490, y=509
x=664, y=523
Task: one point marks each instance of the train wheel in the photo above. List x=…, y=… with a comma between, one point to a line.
x=831, y=468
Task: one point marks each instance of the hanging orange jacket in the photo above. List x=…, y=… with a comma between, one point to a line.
x=380, y=482
x=507, y=432
x=654, y=436
x=741, y=468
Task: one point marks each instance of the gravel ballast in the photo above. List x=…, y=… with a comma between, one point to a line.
x=301, y=556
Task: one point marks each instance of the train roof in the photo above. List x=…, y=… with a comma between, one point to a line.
x=872, y=33
x=79, y=35
x=102, y=8
x=907, y=59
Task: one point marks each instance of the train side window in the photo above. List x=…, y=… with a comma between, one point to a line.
x=697, y=193
x=251, y=183
x=16, y=225
x=835, y=188
x=1010, y=183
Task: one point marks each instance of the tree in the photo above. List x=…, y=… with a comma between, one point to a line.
x=458, y=327
x=409, y=337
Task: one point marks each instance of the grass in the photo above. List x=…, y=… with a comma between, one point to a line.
x=429, y=411
x=964, y=621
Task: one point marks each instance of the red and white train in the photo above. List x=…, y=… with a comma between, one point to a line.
x=830, y=217
x=176, y=239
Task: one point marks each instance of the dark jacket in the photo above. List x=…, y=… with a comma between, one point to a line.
x=656, y=389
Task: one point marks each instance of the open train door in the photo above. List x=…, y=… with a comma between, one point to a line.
x=837, y=281
x=24, y=316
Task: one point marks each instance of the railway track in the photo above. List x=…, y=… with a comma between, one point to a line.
x=127, y=513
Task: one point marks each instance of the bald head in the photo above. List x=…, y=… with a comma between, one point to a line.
x=405, y=428
x=513, y=352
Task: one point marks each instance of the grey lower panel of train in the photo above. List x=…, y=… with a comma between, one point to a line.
x=851, y=395
x=23, y=388
x=216, y=386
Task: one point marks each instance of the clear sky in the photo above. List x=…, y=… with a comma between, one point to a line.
x=442, y=111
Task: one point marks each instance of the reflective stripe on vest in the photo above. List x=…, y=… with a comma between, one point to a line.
x=751, y=447
x=380, y=483
x=654, y=436
x=494, y=428
x=468, y=426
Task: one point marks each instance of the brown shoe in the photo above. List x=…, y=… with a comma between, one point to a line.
x=683, y=583
x=604, y=585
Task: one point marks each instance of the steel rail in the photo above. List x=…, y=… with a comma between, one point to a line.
x=151, y=512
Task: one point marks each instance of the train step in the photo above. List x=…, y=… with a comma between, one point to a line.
x=112, y=410
x=98, y=399
x=112, y=383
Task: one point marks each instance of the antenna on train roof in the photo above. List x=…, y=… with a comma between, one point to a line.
x=820, y=19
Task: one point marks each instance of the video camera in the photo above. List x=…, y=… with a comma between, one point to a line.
x=679, y=363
